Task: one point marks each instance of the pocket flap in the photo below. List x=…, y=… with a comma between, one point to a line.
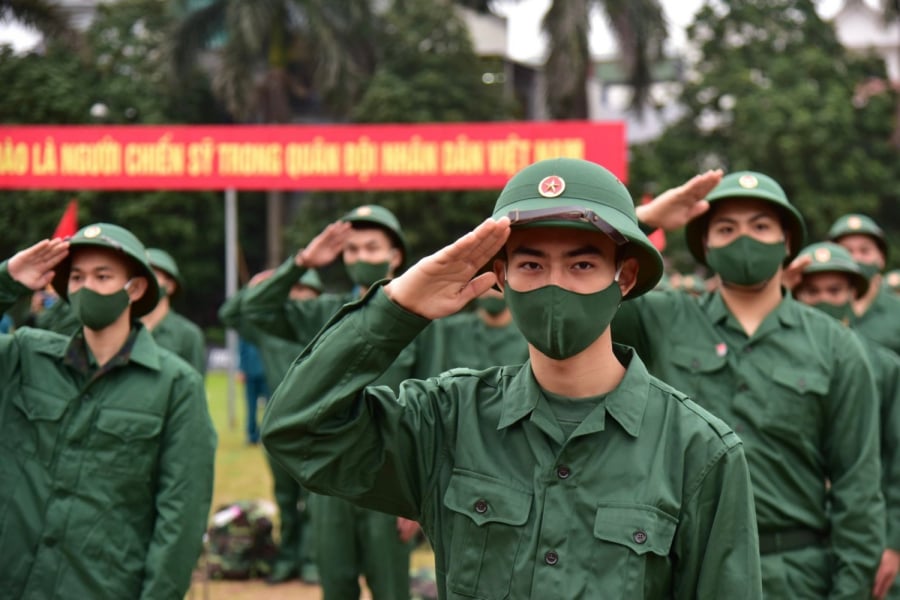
x=699, y=360
x=39, y=405
x=641, y=528
x=800, y=380
x=487, y=500
x=128, y=425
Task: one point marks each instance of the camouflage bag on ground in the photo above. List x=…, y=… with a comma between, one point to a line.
x=239, y=541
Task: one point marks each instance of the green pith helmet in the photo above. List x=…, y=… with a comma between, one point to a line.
x=857, y=224
x=748, y=184
x=107, y=235
x=162, y=260
x=311, y=280
x=828, y=257
x=570, y=192
x=378, y=215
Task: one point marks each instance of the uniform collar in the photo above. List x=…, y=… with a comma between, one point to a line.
x=139, y=348
x=625, y=404
x=785, y=312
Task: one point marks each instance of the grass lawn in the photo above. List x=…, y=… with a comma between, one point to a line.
x=241, y=470
x=242, y=473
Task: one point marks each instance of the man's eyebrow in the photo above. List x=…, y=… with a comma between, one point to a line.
x=588, y=249
x=526, y=251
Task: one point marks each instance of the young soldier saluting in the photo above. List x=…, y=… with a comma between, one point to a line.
x=792, y=382
x=575, y=475
x=877, y=312
x=107, y=447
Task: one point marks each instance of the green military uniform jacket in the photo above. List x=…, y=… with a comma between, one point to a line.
x=471, y=343
x=106, y=475
x=650, y=498
x=886, y=368
x=800, y=393
x=267, y=308
x=184, y=338
x=59, y=318
x=881, y=322
x=277, y=353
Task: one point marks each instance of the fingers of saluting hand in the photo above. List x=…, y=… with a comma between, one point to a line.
x=476, y=248
x=33, y=266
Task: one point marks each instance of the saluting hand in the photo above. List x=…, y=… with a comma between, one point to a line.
x=325, y=247
x=33, y=267
x=793, y=273
x=676, y=206
x=442, y=284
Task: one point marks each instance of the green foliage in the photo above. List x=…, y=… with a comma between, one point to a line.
x=422, y=43
x=774, y=92
x=123, y=68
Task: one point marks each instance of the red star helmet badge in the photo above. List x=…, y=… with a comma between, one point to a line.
x=551, y=186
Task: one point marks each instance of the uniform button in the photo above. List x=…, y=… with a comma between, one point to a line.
x=748, y=349
x=743, y=387
x=695, y=364
x=551, y=558
x=481, y=507
x=563, y=472
x=49, y=541
x=639, y=536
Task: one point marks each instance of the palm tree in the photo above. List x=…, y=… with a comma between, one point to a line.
x=639, y=27
x=280, y=56
x=45, y=16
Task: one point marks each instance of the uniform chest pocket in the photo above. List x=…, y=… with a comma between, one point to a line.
x=795, y=397
x=488, y=520
x=126, y=442
x=633, y=543
x=33, y=422
x=696, y=360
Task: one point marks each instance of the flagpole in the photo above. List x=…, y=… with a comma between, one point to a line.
x=231, y=276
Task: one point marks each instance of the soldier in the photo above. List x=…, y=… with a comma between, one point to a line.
x=107, y=468
x=170, y=329
x=574, y=475
x=793, y=383
x=878, y=312
x=484, y=338
x=349, y=540
x=828, y=279
x=295, y=544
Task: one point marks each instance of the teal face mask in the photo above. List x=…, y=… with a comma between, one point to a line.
x=492, y=305
x=746, y=261
x=98, y=311
x=869, y=270
x=841, y=312
x=365, y=274
x=561, y=323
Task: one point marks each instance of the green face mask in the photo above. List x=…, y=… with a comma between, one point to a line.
x=98, y=311
x=365, y=273
x=561, y=323
x=746, y=261
x=841, y=312
x=491, y=305
x=869, y=270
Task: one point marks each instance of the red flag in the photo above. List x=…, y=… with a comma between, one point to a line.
x=657, y=237
x=68, y=224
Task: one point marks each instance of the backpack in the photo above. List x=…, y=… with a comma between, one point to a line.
x=239, y=541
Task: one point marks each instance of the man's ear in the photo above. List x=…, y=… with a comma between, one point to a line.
x=500, y=272
x=396, y=259
x=137, y=289
x=628, y=275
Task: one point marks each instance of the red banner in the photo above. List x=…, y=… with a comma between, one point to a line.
x=308, y=157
